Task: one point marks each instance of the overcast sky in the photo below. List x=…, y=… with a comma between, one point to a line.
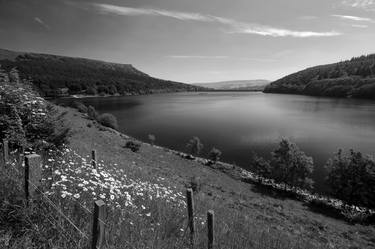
x=194, y=40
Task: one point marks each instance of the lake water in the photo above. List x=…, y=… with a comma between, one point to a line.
x=240, y=122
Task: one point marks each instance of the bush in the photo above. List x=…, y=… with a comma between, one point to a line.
x=352, y=178
x=108, y=120
x=290, y=165
x=260, y=166
x=214, y=155
x=133, y=146
x=152, y=139
x=195, y=146
x=92, y=113
x=79, y=106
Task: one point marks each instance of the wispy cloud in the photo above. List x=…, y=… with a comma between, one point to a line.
x=40, y=22
x=219, y=57
x=355, y=18
x=234, y=25
x=362, y=26
x=215, y=57
x=363, y=4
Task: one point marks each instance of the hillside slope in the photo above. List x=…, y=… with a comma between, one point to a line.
x=352, y=78
x=59, y=75
x=252, y=85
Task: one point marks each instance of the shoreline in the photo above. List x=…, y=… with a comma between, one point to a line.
x=221, y=184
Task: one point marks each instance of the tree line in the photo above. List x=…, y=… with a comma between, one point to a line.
x=351, y=176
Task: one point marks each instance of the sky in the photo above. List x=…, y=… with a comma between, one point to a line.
x=194, y=40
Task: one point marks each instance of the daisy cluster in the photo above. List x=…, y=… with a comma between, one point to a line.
x=73, y=177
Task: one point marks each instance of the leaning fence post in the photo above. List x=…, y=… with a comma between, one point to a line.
x=5, y=151
x=190, y=206
x=93, y=158
x=210, y=226
x=98, y=225
x=33, y=174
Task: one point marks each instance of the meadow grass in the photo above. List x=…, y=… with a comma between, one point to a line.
x=142, y=211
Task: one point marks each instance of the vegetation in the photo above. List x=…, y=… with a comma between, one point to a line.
x=214, y=155
x=260, y=166
x=352, y=178
x=133, y=146
x=195, y=146
x=26, y=120
x=152, y=139
x=60, y=76
x=80, y=106
x=353, y=78
x=108, y=120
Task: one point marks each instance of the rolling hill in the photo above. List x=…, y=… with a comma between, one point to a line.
x=353, y=78
x=60, y=75
x=240, y=85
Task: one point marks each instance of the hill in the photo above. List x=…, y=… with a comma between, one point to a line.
x=353, y=78
x=60, y=75
x=250, y=85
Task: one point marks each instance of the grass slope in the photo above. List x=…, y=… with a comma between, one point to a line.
x=261, y=209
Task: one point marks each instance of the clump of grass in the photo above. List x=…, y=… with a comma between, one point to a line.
x=133, y=146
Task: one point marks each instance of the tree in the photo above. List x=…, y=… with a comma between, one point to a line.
x=108, y=120
x=214, y=154
x=92, y=113
x=352, y=178
x=291, y=165
x=152, y=139
x=260, y=166
x=195, y=146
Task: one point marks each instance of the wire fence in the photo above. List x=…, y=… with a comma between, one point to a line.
x=25, y=165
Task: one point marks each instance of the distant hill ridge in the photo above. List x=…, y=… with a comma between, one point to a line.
x=58, y=75
x=353, y=78
x=255, y=85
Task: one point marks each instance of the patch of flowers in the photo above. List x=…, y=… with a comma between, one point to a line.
x=73, y=177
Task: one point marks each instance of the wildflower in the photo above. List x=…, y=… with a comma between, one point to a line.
x=76, y=196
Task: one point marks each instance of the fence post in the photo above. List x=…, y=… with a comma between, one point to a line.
x=5, y=151
x=210, y=226
x=93, y=158
x=98, y=225
x=190, y=206
x=33, y=174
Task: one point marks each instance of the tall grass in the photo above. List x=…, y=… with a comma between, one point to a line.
x=142, y=211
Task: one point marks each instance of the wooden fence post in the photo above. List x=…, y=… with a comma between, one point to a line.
x=5, y=151
x=93, y=158
x=33, y=174
x=210, y=227
x=98, y=225
x=190, y=207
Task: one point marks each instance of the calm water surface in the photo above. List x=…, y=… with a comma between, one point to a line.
x=238, y=123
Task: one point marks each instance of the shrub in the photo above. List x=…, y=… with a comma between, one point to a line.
x=133, y=146
x=108, y=120
x=79, y=106
x=152, y=139
x=214, y=155
x=91, y=91
x=352, y=178
x=290, y=165
x=195, y=146
x=260, y=166
x=92, y=113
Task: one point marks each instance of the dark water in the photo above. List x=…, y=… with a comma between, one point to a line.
x=238, y=123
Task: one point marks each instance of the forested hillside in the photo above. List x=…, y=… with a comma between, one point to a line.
x=353, y=78
x=59, y=75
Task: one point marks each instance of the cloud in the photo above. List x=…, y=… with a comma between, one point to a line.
x=359, y=26
x=196, y=57
x=43, y=24
x=355, y=18
x=362, y=4
x=234, y=25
